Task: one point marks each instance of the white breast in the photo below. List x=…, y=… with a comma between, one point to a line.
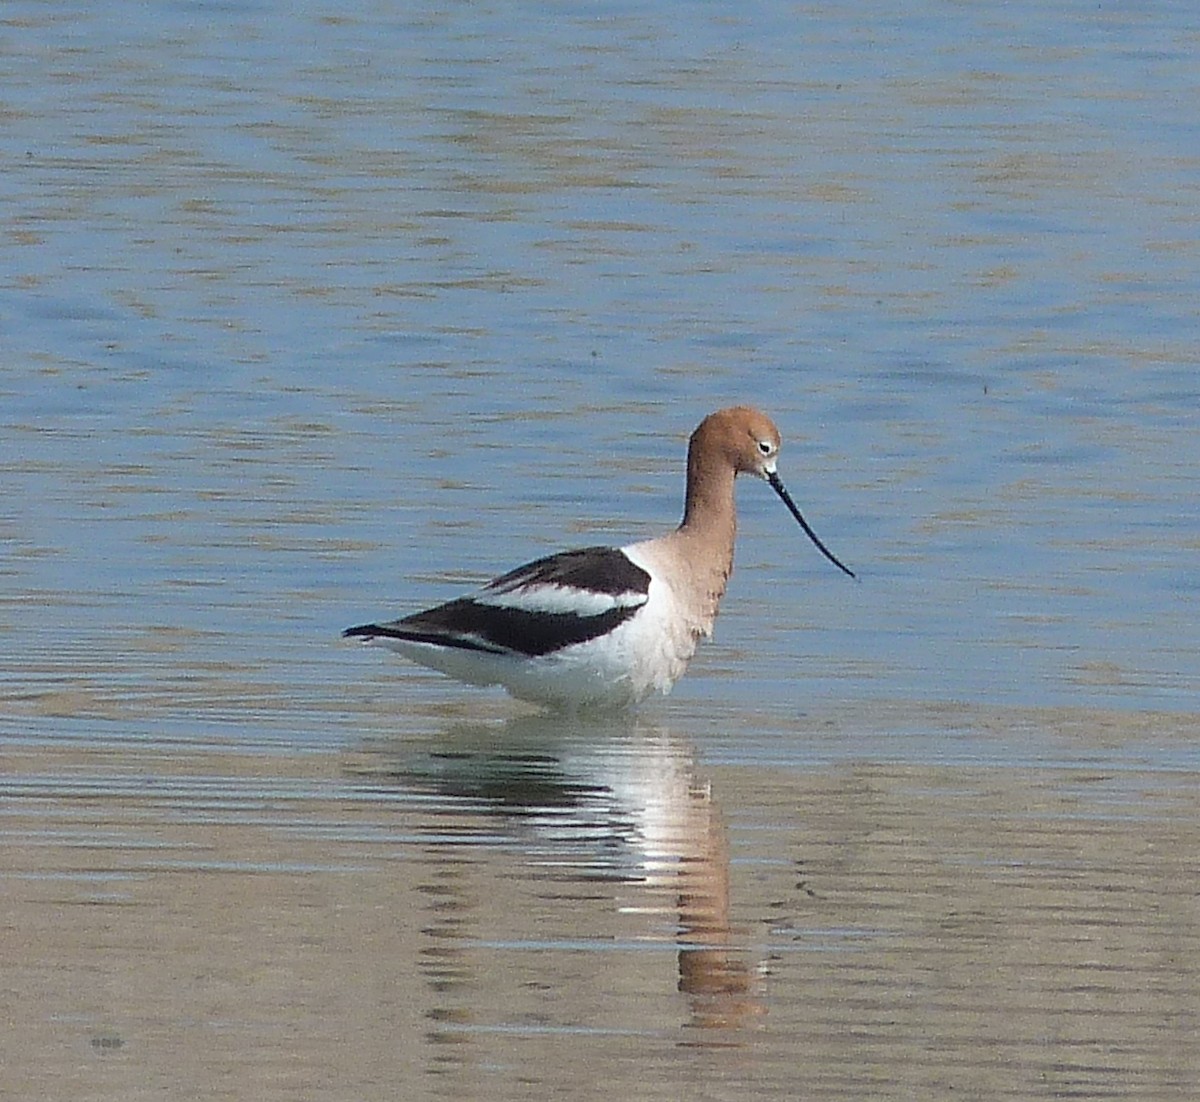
x=662, y=636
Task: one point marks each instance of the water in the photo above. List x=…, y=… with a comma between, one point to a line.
x=314, y=315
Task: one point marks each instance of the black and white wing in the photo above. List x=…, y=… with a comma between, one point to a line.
x=539, y=608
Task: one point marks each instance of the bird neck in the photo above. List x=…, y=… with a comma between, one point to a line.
x=708, y=511
x=706, y=534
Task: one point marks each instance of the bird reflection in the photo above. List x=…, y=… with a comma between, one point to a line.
x=610, y=802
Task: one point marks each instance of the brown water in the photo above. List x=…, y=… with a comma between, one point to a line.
x=530, y=909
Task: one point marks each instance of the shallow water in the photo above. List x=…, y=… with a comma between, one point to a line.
x=311, y=316
x=536, y=907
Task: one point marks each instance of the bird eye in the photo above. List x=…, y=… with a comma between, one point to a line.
x=765, y=447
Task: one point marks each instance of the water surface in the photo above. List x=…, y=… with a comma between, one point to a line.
x=311, y=316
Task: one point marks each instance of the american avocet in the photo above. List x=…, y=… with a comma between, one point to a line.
x=606, y=626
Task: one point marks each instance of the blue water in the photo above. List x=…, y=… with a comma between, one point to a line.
x=310, y=316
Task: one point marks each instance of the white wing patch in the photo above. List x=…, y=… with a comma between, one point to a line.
x=570, y=599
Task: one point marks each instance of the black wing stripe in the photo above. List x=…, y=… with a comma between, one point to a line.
x=466, y=625
x=512, y=630
x=606, y=570
x=437, y=638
